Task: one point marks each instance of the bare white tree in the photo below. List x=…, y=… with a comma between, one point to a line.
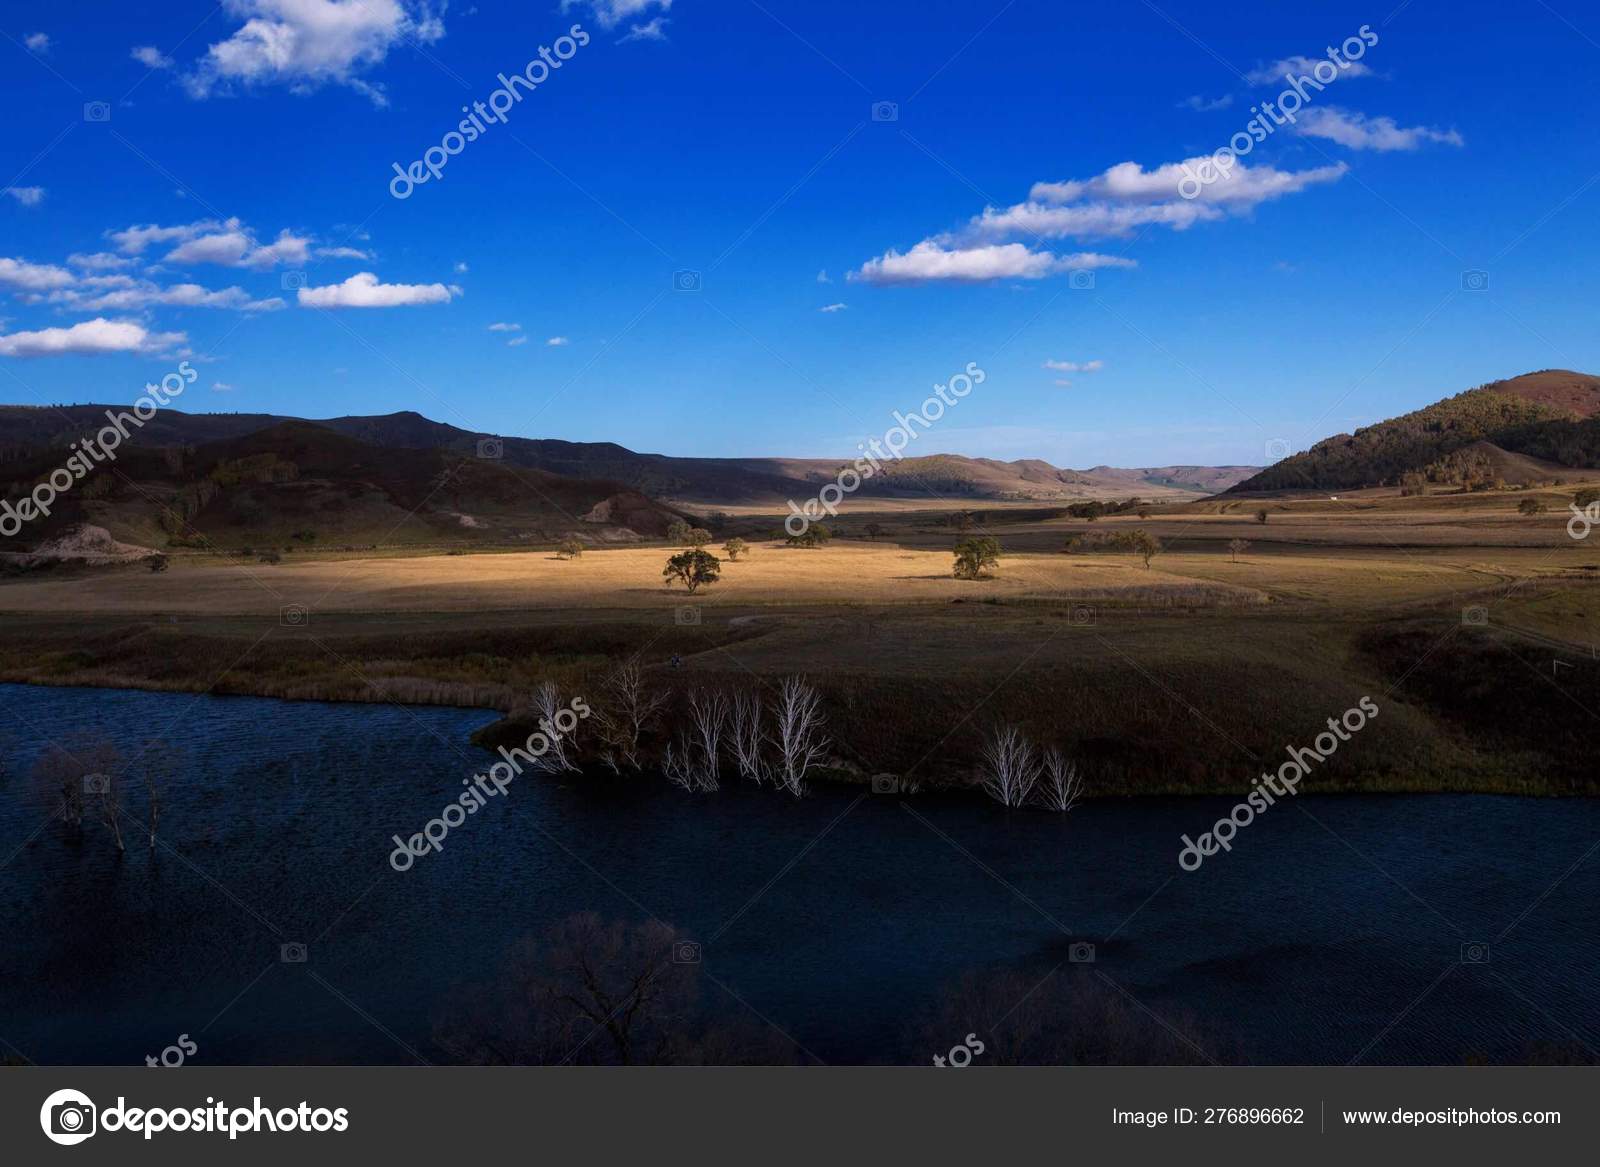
x=798, y=733
x=629, y=710
x=106, y=790
x=747, y=738
x=1009, y=766
x=546, y=704
x=1060, y=783
x=708, y=714
x=677, y=764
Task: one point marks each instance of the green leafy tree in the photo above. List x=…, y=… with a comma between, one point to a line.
x=695, y=568
x=678, y=532
x=1530, y=506
x=814, y=536
x=570, y=549
x=157, y=563
x=973, y=555
x=698, y=537
x=735, y=548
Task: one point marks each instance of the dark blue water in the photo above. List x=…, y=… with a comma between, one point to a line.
x=1334, y=929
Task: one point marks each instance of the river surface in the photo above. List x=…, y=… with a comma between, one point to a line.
x=1335, y=929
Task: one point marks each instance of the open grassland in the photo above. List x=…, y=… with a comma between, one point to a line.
x=1190, y=675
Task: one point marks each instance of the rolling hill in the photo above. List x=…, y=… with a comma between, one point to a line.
x=295, y=484
x=1521, y=430
x=707, y=482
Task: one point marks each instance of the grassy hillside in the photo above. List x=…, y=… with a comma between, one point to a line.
x=1549, y=415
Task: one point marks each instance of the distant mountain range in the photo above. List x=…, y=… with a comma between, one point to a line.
x=1522, y=430
x=690, y=481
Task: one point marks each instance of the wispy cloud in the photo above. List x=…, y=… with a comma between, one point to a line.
x=504, y=326
x=151, y=57
x=1075, y=366
x=1359, y=132
x=37, y=42
x=557, y=342
x=931, y=261
x=1300, y=66
x=28, y=196
x=833, y=308
x=1206, y=105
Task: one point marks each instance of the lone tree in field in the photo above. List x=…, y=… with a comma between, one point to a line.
x=873, y=530
x=570, y=549
x=1530, y=506
x=678, y=532
x=694, y=568
x=157, y=563
x=973, y=555
x=1237, y=547
x=697, y=537
x=1142, y=543
x=1261, y=515
x=735, y=548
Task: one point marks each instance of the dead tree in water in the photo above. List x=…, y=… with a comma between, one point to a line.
x=1060, y=783
x=747, y=738
x=798, y=734
x=708, y=714
x=1009, y=766
x=546, y=705
x=630, y=709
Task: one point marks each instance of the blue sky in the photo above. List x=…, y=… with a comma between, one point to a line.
x=1318, y=287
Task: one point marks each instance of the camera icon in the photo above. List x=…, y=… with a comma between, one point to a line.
x=292, y=953
x=685, y=281
x=1475, y=281
x=1474, y=954
x=1080, y=280
x=1475, y=617
x=1081, y=952
x=885, y=784
x=686, y=952
x=1277, y=450
x=96, y=784
x=885, y=111
x=96, y=111
x=294, y=615
x=686, y=614
x=292, y=280
x=491, y=448
x=68, y=1117
x=1084, y=615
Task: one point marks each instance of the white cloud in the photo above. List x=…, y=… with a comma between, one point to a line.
x=822, y=277
x=461, y=268
x=134, y=240
x=37, y=42
x=90, y=337
x=1359, y=132
x=516, y=342
x=504, y=326
x=363, y=290
x=651, y=30
x=610, y=13
x=342, y=253
x=557, y=342
x=1114, y=203
x=306, y=44
x=1301, y=66
x=833, y=308
x=127, y=295
x=221, y=387
x=1206, y=105
x=99, y=261
x=1075, y=366
x=238, y=248
x=28, y=196
x=33, y=277
x=930, y=261
x=151, y=57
